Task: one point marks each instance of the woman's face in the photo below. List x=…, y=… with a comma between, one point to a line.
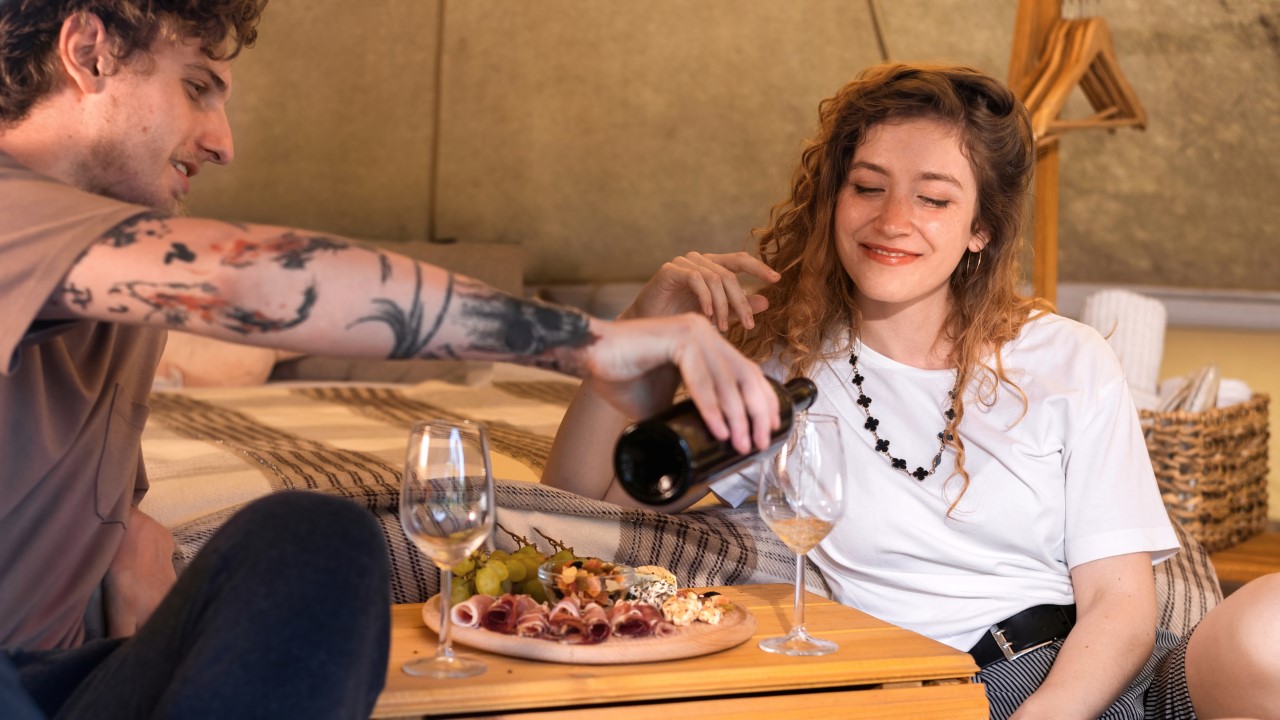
x=905, y=215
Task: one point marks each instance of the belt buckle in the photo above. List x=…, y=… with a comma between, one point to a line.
x=1006, y=646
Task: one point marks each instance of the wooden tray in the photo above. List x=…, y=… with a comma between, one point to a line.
x=692, y=640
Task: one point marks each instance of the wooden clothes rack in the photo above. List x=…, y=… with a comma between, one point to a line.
x=1052, y=55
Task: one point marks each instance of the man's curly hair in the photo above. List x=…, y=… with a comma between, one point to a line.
x=29, y=32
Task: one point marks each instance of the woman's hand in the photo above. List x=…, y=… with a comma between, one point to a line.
x=634, y=364
x=706, y=284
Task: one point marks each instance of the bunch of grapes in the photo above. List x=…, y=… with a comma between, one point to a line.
x=500, y=572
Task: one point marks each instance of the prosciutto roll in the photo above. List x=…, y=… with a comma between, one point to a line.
x=596, y=624
x=501, y=616
x=626, y=620
x=658, y=625
x=467, y=613
x=533, y=624
x=566, y=621
x=531, y=617
x=570, y=606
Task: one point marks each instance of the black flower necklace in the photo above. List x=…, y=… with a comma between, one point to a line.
x=882, y=445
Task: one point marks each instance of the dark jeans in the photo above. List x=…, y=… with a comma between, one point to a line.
x=284, y=613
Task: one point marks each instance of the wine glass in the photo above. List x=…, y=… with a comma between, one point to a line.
x=801, y=497
x=447, y=510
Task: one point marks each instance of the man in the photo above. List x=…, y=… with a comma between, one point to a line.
x=108, y=108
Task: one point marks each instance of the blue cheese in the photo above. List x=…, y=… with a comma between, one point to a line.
x=653, y=585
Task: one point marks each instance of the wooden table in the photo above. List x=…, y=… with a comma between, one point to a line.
x=1251, y=559
x=879, y=671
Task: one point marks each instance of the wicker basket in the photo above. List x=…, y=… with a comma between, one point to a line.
x=1212, y=469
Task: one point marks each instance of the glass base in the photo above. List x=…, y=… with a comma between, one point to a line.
x=443, y=668
x=798, y=642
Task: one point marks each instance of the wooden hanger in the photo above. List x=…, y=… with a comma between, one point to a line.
x=1091, y=64
x=1050, y=65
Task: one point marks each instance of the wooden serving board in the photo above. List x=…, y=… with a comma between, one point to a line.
x=693, y=640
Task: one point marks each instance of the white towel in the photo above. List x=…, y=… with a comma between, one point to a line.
x=1134, y=325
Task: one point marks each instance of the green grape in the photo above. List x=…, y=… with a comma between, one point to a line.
x=465, y=567
x=516, y=570
x=533, y=588
x=525, y=551
x=506, y=586
x=499, y=555
x=499, y=569
x=562, y=556
x=459, y=592
x=488, y=582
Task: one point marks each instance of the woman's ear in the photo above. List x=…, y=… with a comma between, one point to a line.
x=978, y=238
x=84, y=49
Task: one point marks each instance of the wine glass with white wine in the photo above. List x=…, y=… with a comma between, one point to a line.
x=447, y=510
x=801, y=498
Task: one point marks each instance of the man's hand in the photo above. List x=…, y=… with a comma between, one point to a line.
x=140, y=575
x=632, y=367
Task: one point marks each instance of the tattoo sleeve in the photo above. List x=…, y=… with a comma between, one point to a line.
x=180, y=304
x=492, y=323
x=149, y=224
x=408, y=337
x=505, y=325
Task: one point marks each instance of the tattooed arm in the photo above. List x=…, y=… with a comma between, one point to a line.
x=312, y=293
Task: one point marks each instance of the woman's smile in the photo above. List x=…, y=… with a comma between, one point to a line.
x=888, y=256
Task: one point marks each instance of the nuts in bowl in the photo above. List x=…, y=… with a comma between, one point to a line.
x=589, y=579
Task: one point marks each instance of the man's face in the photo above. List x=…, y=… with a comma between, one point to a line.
x=160, y=118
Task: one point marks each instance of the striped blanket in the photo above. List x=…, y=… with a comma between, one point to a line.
x=209, y=451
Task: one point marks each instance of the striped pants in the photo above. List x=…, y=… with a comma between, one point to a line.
x=1159, y=690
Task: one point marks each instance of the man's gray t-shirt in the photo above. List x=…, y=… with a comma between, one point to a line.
x=73, y=401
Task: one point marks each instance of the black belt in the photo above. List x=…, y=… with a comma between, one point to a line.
x=1030, y=629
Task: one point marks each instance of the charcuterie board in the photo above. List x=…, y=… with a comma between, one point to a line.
x=699, y=638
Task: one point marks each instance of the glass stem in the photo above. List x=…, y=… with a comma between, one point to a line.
x=799, y=612
x=445, y=649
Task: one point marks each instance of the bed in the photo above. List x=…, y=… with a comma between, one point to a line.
x=211, y=450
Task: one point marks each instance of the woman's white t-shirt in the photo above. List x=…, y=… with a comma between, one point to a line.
x=1063, y=483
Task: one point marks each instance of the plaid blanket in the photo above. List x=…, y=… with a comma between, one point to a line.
x=210, y=451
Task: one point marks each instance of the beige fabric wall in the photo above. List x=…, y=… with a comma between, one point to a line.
x=605, y=136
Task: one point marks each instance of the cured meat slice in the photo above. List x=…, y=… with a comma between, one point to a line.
x=501, y=616
x=531, y=617
x=596, y=622
x=626, y=620
x=468, y=612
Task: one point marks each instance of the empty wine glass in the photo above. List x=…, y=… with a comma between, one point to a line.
x=801, y=497
x=447, y=510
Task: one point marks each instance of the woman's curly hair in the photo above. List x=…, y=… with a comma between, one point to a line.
x=29, y=32
x=816, y=296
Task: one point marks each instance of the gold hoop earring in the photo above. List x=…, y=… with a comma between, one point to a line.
x=968, y=261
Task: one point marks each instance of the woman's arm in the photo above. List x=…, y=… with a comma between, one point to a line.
x=1113, y=638
x=581, y=458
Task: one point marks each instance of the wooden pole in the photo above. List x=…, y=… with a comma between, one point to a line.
x=1044, y=261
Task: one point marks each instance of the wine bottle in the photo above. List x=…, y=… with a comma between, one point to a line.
x=660, y=459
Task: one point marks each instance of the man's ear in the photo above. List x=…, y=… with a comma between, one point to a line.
x=84, y=48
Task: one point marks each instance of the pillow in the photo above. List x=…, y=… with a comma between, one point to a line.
x=1186, y=586
x=320, y=368
x=196, y=361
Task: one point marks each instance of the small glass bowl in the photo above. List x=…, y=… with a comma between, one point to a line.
x=590, y=579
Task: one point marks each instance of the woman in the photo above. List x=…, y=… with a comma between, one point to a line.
x=998, y=476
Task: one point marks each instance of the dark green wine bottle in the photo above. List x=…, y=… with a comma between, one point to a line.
x=660, y=459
